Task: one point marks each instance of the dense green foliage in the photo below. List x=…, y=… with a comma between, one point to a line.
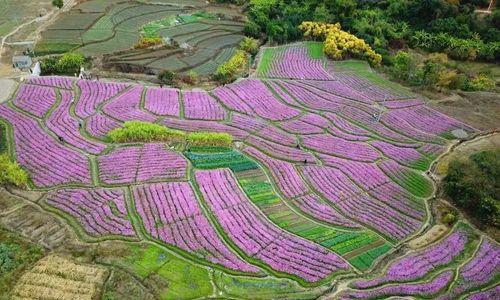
x=166, y=77
x=385, y=24
x=473, y=183
x=69, y=63
x=436, y=70
x=58, y=3
x=16, y=255
x=137, y=131
x=228, y=71
x=224, y=158
x=11, y=173
x=250, y=45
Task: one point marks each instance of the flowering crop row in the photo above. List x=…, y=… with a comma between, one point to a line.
x=411, y=180
x=139, y=164
x=94, y=93
x=396, y=120
x=421, y=289
x=301, y=127
x=126, y=107
x=417, y=265
x=280, y=151
x=199, y=105
x=378, y=185
x=67, y=127
x=331, y=96
x=99, y=125
x=431, y=121
x=368, y=89
x=282, y=93
x=356, y=204
x=492, y=293
x=404, y=155
x=53, y=81
x=368, y=119
x=49, y=162
x=347, y=126
x=99, y=211
x=482, y=268
x=35, y=99
x=295, y=62
x=395, y=104
x=288, y=180
x=258, y=98
x=198, y=125
x=338, y=88
x=432, y=150
x=171, y=213
x=260, y=128
x=313, y=206
x=308, y=99
x=328, y=144
x=162, y=101
x=259, y=238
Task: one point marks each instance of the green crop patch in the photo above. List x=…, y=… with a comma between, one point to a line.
x=216, y=160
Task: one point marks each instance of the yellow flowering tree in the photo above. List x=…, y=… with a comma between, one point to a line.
x=340, y=44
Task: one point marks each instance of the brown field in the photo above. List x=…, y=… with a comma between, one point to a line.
x=57, y=277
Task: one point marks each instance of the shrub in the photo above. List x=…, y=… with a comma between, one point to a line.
x=481, y=83
x=70, y=63
x=11, y=173
x=473, y=183
x=166, y=77
x=451, y=80
x=209, y=139
x=249, y=45
x=147, y=42
x=449, y=218
x=235, y=65
x=340, y=44
x=137, y=131
x=58, y=3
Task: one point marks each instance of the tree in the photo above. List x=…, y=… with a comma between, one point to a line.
x=58, y=3
x=166, y=77
x=70, y=62
x=249, y=45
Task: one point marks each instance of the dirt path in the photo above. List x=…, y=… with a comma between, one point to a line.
x=7, y=87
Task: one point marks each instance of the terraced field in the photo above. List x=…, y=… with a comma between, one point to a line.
x=113, y=28
x=326, y=180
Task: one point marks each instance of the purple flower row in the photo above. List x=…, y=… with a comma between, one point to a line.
x=199, y=125
x=199, y=105
x=328, y=144
x=53, y=81
x=397, y=120
x=171, y=213
x=378, y=185
x=403, y=155
x=139, y=164
x=368, y=89
x=421, y=289
x=316, y=208
x=100, y=211
x=260, y=238
x=309, y=99
x=338, y=88
x=162, y=101
x=417, y=265
x=295, y=62
x=126, y=107
x=431, y=121
x=480, y=270
x=284, y=174
x=356, y=204
x=347, y=126
x=67, y=127
x=99, y=125
x=258, y=98
x=280, y=151
x=49, y=162
x=94, y=93
x=276, y=88
x=35, y=99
